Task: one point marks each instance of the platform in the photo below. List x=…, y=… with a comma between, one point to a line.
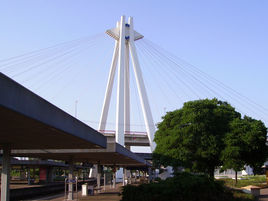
x=109, y=194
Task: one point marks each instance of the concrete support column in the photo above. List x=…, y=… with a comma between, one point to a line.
x=130, y=177
x=104, y=181
x=110, y=176
x=5, y=175
x=70, y=180
x=124, y=176
x=114, y=180
x=98, y=176
x=29, y=175
x=50, y=174
x=93, y=171
x=120, y=126
x=111, y=179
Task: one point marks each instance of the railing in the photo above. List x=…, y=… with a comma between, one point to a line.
x=126, y=132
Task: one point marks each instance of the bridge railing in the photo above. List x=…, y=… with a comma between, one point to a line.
x=126, y=132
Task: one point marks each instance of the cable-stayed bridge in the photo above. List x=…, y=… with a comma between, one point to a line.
x=78, y=70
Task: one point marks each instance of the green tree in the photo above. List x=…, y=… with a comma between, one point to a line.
x=235, y=149
x=193, y=135
x=254, y=139
x=245, y=144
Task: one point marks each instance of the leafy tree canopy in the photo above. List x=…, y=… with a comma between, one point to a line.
x=254, y=139
x=245, y=144
x=193, y=135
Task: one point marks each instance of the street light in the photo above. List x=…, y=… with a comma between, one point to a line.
x=75, y=109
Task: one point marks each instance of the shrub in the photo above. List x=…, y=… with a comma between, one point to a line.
x=181, y=187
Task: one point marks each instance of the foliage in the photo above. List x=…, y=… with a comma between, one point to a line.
x=192, y=136
x=255, y=143
x=59, y=178
x=234, y=149
x=15, y=173
x=245, y=144
x=182, y=187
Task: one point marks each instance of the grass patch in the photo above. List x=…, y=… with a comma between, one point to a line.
x=257, y=180
x=241, y=196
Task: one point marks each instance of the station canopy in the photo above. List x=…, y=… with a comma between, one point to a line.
x=30, y=122
x=113, y=154
x=33, y=127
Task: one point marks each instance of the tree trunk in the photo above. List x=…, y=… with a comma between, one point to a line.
x=235, y=177
x=211, y=173
x=175, y=170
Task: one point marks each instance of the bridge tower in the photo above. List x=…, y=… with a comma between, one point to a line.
x=125, y=37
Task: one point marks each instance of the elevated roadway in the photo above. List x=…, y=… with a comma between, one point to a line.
x=131, y=138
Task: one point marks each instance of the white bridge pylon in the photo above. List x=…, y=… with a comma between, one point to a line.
x=125, y=35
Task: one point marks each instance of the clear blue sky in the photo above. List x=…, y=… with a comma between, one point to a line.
x=227, y=39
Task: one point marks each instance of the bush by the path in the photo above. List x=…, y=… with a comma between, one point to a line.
x=183, y=187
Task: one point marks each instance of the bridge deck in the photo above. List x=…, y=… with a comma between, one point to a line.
x=132, y=138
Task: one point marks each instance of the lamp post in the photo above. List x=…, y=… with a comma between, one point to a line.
x=75, y=109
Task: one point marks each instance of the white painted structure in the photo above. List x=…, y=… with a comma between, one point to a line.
x=125, y=36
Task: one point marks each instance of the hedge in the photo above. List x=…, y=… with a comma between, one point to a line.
x=183, y=187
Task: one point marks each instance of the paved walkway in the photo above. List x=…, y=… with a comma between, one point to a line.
x=109, y=194
x=264, y=195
